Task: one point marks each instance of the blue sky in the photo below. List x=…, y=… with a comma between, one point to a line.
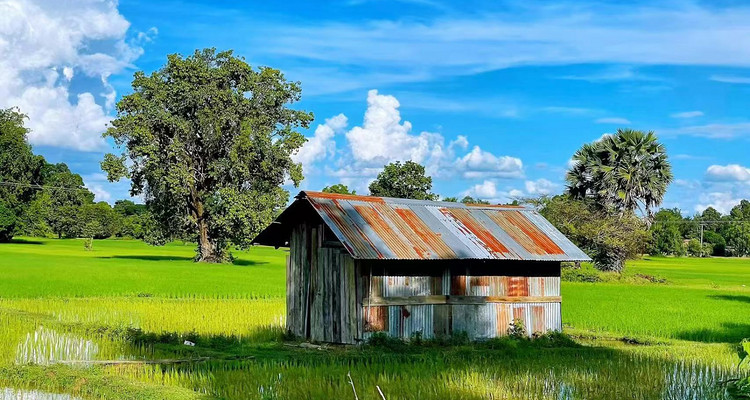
x=493, y=99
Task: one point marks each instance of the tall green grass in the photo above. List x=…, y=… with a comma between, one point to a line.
x=62, y=307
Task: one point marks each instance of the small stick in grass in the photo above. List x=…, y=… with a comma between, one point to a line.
x=380, y=391
x=349, y=374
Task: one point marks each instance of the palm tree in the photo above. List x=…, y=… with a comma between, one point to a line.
x=625, y=172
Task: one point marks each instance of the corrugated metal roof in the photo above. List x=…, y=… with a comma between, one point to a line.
x=388, y=228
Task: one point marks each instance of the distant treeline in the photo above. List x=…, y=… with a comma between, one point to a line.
x=723, y=235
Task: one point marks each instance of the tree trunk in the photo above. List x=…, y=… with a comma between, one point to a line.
x=208, y=250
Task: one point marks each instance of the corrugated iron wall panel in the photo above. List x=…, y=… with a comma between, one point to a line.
x=479, y=321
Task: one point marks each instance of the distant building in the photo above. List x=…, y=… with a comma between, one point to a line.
x=362, y=264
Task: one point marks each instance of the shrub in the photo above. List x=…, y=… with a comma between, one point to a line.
x=517, y=329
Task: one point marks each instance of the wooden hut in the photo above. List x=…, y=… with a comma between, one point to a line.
x=363, y=264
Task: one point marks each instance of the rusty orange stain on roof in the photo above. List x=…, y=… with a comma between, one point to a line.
x=423, y=232
x=337, y=196
x=393, y=240
x=485, y=236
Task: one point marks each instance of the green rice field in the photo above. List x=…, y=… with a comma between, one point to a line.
x=78, y=324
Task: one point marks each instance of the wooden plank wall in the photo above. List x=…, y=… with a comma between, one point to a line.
x=321, y=288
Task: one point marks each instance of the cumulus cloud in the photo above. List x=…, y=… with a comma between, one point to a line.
x=540, y=187
x=721, y=201
x=731, y=172
x=484, y=190
x=479, y=164
x=47, y=45
x=384, y=138
x=687, y=114
x=100, y=194
x=321, y=145
x=489, y=190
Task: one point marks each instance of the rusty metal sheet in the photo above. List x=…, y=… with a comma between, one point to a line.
x=387, y=228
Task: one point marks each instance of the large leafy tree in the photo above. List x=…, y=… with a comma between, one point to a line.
x=737, y=231
x=628, y=171
x=406, y=181
x=209, y=140
x=608, y=238
x=666, y=238
x=64, y=195
x=19, y=170
x=338, y=188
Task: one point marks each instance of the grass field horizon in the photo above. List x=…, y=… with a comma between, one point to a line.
x=128, y=300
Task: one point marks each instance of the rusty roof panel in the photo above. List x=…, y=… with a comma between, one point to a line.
x=387, y=228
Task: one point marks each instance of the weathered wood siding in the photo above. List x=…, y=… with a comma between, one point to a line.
x=321, y=298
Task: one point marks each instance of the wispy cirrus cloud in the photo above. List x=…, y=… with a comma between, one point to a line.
x=725, y=131
x=686, y=114
x=381, y=51
x=730, y=79
x=613, y=120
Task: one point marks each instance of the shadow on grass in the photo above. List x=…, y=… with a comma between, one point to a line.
x=731, y=297
x=150, y=258
x=728, y=333
x=25, y=241
x=246, y=263
x=242, y=263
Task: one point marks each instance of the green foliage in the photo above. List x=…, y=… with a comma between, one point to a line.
x=666, y=238
x=405, y=181
x=471, y=200
x=609, y=239
x=517, y=329
x=450, y=199
x=694, y=248
x=19, y=167
x=210, y=141
x=137, y=302
x=338, y=188
x=626, y=171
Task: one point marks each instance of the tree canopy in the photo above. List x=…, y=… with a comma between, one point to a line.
x=609, y=239
x=626, y=172
x=338, y=188
x=406, y=181
x=20, y=168
x=209, y=139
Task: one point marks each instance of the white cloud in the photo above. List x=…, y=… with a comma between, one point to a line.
x=321, y=145
x=580, y=111
x=484, y=190
x=730, y=79
x=711, y=131
x=614, y=73
x=721, y=201
x=540, y=187
x=613, y=120
x=731, y=172
x=99, y=193
x=82, y=40
x=383, y=138
x=479, y=163
x=687, y=114
x=537, y=34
